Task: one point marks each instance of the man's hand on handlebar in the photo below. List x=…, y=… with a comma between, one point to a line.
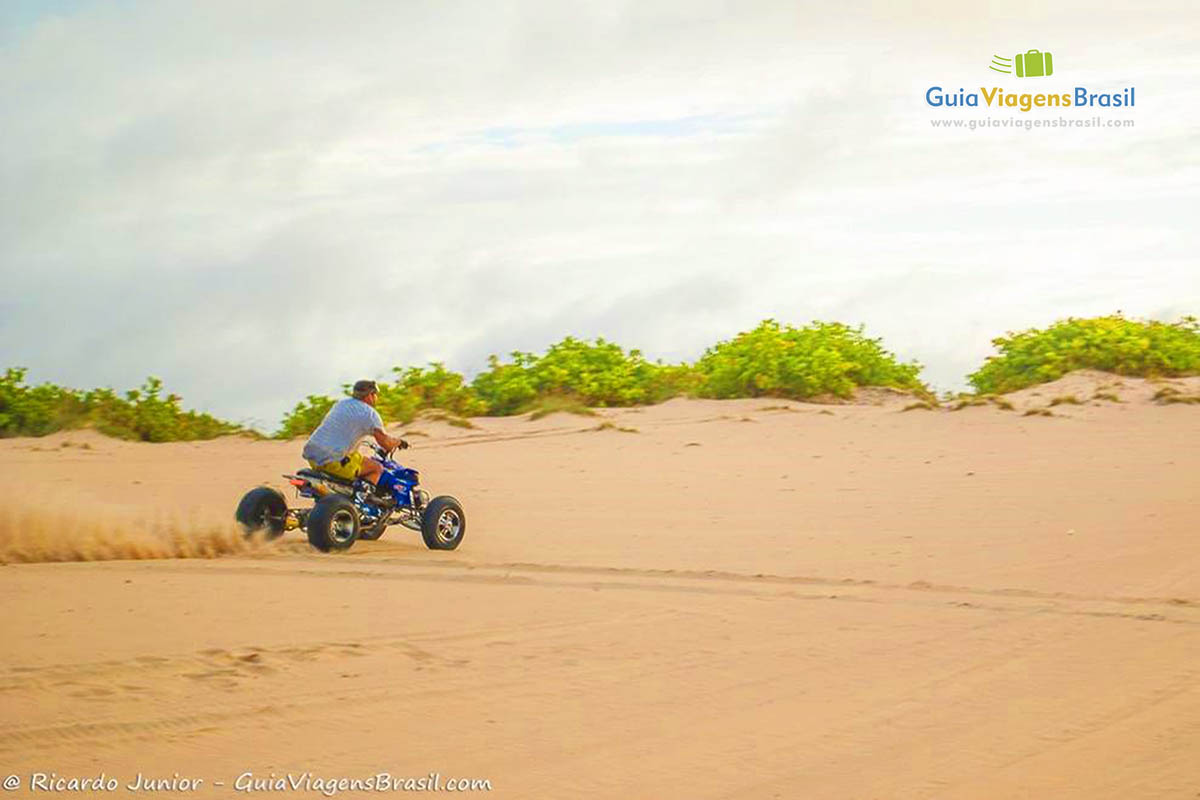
x=392, y=444
x=385, y=444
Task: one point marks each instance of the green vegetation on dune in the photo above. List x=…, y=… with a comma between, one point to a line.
x=597, y=373
x=418, y=388
x=776, y=360
x=141, y=414
x=1110, y=344
x=772, y=360
x=305, y=417
x=575, y=375
x=572, y=376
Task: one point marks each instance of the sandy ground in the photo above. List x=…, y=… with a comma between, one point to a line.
x=738, y=599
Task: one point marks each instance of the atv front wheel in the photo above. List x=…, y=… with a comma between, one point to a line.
x=262, y=509
x=443, y=523
x=333, y=523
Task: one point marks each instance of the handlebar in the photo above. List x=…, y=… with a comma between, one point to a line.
x=387, y=454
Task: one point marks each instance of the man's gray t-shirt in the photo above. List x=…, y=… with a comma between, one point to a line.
x=348, y=421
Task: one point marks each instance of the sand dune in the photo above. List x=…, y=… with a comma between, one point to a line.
x=712, y=599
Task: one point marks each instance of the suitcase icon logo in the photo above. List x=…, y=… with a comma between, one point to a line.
x=1031, y=64
x=1034, y=64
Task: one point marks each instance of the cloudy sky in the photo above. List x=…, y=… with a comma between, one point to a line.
x=259, y=201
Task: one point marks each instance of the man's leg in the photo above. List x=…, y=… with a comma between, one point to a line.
x=353, y=466
x=370, y=470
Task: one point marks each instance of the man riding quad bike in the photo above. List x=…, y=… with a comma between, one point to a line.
x=357, y=497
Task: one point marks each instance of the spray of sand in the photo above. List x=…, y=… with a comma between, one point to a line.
x=30, y=535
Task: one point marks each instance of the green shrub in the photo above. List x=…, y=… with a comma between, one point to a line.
x=36, y=410
x=776, y=360
x=144, y=414
x=506, y=388
x=1112, y=344
x=419, y=388
x=597, y=373
x=673, y=380
x=305, y=417
x=141, y=414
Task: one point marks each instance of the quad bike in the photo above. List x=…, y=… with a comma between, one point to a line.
x=349, y=510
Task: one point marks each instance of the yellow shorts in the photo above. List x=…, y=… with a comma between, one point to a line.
x=347, y=468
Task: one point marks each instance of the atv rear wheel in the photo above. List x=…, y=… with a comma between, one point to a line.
x=262, y=509
x=333, y=524
x=443, y=524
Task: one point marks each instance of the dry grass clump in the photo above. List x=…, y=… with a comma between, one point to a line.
x=1109, y=396
x=31, y=535
x=610, y=426
x=1169, y=395
x=1066, y=399
x=923, y=405
x=970, y=400
x=1038, y=412
x=559, y=404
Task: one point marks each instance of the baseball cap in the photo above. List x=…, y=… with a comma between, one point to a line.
x=364, y=388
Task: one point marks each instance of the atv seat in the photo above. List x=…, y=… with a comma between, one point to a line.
x=319, y=475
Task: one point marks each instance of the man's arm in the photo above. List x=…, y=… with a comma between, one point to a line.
x=388, y=442
x=385, y=441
